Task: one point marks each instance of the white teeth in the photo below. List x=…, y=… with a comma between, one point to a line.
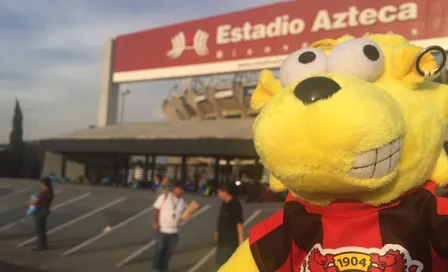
x=384, y=152
x=395, y=158
x=382, y=168
x=378, y=162
x=396, y=145
x=362, y=173
x=366, y=159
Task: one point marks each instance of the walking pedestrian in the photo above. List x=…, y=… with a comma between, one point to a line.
x=156, y=182
x=164, y=186
x=43, y=203
x=168, y=209
x=229, y=234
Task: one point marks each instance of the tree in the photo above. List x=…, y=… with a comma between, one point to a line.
x=16, y=137
x=16, y=143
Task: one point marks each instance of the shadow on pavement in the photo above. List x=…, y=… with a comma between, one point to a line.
x=4, y=266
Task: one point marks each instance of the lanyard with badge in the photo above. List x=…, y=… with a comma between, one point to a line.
x=174, y=206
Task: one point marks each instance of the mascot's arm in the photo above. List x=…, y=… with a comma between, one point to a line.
x=440, y=172
x=265, y=249
x=241, y=260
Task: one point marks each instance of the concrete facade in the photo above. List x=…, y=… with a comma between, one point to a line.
x=74, y=169
x=108, y=107
x=54, y=164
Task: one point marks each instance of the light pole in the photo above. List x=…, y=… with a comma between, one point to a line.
x=123, y=98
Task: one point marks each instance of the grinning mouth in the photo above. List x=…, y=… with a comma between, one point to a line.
x=377, y=162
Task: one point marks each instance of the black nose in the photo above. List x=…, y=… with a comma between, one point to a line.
x=316, y=88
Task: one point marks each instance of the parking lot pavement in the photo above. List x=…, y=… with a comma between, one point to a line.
x=64, y=215
x=4, y=191
x=12, y=198
x=77, y=236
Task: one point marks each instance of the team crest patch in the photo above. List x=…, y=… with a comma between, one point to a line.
x=390, y=258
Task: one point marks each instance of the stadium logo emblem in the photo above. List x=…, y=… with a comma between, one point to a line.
x=180, y=43
x=390, y=258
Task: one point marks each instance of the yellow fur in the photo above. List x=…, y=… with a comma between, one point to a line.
x=399, y=98
x=309, y=149
x=276, y=185
x=440, y=172
x=396, y=47
x=242, y=260
x=306, y=166
x=267, y=86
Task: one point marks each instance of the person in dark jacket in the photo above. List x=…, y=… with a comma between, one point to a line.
x=229, y=234
x=43, y=203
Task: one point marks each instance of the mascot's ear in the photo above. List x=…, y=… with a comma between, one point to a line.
x=328, y=44
x=404, y=65
x=267, y=86
x=276, y=185
x=323, y=45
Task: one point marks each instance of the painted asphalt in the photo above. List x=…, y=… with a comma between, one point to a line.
x=79, y=217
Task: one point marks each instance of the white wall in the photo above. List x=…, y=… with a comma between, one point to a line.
x=52, y=164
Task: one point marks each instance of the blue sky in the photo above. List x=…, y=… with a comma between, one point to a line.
x=51, y=54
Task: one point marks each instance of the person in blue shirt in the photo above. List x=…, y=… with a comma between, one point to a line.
x=52, y=177
x=156, y=182
x=106, y=180
x=43, y=203
x=32, y=208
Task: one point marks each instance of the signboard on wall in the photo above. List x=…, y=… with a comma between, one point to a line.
x=261, y=37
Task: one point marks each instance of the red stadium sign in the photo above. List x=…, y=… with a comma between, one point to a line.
x=262, y=37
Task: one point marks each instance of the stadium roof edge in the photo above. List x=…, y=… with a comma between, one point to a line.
x=210, y=138
x=192, y=129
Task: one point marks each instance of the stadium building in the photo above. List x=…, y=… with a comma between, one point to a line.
x=208, y=127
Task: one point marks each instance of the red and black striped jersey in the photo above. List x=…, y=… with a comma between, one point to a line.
x=409, y=235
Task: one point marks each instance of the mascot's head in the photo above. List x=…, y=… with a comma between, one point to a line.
x=353, y=120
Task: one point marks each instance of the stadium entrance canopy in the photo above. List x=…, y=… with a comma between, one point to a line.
x=107, y=151
x=186, y=138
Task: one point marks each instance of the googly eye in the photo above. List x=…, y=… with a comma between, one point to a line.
x=361, y=58
x=302, y=63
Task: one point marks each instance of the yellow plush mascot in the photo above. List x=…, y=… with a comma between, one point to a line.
x=354, y=130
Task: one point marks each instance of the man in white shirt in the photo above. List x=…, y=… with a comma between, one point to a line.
x=168, y=209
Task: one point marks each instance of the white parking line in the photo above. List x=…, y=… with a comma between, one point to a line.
x=5, y=185
x=55, y=207
x=139, y=251
x=77, y=219
x=16, y=192
x=212, y=252
x=102, y=234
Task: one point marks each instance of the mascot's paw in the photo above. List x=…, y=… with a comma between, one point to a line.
x=276, y=185
x=241, y=260
x=440, y=172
